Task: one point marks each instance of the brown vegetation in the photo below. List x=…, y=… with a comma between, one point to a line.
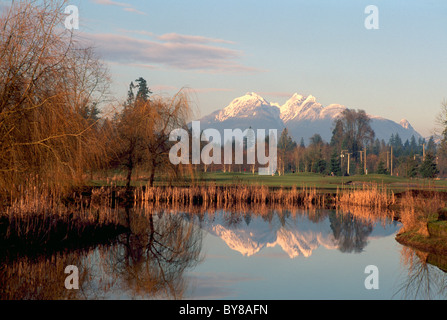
x=49, y=87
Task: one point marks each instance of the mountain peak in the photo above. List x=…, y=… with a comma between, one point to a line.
x=296, y=97
x=299, y=106
x=310, y=98
x=246, y=106
x=405, y=124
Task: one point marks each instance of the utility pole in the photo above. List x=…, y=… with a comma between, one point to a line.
x=348, y=162
x=391, y=160
x=342, y=155
x=364, y=161
x=388, y=160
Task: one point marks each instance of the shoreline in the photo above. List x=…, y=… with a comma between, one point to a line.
x=93, y=200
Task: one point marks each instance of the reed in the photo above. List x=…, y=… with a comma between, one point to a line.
x=417, y=209
x=229, y=195
x=373, y=196
x=41, y=217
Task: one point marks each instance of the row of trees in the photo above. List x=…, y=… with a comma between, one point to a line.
x=353, y=149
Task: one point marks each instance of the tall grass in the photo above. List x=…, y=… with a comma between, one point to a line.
x=369, y=195
x=222, y=196
x=40, y=217
x=417, y=209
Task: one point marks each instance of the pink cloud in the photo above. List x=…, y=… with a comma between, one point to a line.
x=126, y=7
x=180, y=38
x=197, y=54
x=111, y=3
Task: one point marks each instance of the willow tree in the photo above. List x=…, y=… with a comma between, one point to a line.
x=48, y=81
x=143, y=130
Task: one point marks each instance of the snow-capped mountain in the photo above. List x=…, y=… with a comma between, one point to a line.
x=250, y=110
x=302, y=115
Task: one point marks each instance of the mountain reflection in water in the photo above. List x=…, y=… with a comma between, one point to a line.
x=295, y=234
x=162, y=253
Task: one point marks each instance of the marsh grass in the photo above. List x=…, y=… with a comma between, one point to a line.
x=223, y=196
x=368, y=195
x=418, y=209
x=42, y=217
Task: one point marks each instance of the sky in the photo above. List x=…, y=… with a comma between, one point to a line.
x=219, y=50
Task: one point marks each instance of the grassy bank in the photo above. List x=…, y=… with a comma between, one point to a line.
x=433, y=241
x=323, y=183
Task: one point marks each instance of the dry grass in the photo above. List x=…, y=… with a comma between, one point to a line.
x=43, y=215
x=40, y=217
x=418, y=209
x=373, y=196
x=229, y=195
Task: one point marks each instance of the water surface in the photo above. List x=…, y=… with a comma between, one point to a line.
x=171, y=254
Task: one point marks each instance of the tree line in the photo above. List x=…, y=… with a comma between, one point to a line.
x=353, y=149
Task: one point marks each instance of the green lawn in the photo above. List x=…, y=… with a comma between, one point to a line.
x=322, y=181
x=310, y=180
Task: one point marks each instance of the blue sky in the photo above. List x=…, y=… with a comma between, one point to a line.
x=222, y=49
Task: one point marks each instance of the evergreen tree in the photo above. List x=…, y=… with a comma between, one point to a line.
x=429, y=168
x=320, y=166
x=431, y=146
x=130, y=96
x=381, y=168
x=335, y=166
x=285, y=141
x=143, y=90
x=413, y=168
x=413, y=145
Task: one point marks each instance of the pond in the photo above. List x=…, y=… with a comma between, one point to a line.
x=219, y=255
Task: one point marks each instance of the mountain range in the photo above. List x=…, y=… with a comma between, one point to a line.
x=302, y=115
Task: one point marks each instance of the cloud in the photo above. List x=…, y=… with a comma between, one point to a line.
x=126, y=7
x=135, y=11
x=180, y=38
x=208, y=90
x=188, y=89
x=172, y=50
x=111, y=3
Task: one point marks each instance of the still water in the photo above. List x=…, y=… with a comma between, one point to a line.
x=171, y=254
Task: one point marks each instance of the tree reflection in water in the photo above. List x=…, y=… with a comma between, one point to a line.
x=147, y=262
x=151, y=259
x=422, y=280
